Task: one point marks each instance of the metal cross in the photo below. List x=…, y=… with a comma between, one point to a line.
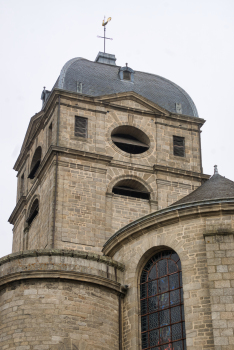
x=104, y=37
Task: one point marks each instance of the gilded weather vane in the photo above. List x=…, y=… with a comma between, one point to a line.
x=104, y=23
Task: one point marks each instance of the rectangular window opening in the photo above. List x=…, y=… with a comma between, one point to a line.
x=126, y=75
x=81, y=127
x=178, y=146
x=22, y=185
x=50, y=135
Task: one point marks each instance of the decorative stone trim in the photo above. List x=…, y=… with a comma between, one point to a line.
x=64, y=253
x=68, y=275
x=176, y=171
x=167, y=216
x=218, y=233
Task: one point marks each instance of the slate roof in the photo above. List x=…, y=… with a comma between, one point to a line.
x=102, y=79
x=217, y=187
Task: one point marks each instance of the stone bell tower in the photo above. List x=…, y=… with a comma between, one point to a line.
x=105, y=149
x=110, y=145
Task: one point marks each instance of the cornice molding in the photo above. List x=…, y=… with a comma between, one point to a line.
x=181, y=172
x=63, y=253
x=26, y=265
x=101, y=103
x=17, y=210
x=168, y=216
x=64, y=275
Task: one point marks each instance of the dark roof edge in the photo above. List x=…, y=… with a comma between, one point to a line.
x=168, y=210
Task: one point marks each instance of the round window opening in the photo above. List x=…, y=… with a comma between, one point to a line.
x=130, y=139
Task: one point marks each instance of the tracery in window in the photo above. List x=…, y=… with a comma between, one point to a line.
x=162, y=309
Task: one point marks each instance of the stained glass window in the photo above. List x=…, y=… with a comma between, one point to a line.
x=162, y=307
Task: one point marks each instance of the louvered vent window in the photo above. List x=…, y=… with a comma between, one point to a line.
x=36, y=161
x=50, y=135
x=131, y=188
x=126, y=75
x=33, y=212
x=22, y=185
x=178, y=146
x=81, y=127
x=130, y=139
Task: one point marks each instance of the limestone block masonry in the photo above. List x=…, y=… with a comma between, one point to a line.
x=220, y=261
x=52, y=299
x=105, y=181
x=75, y=180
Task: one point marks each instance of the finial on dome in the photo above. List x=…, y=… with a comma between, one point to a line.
x=216, y=169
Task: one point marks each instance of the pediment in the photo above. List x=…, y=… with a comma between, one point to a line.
x=32, y=128
x=134, y=101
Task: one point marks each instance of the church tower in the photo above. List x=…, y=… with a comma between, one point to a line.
x=111, y=153
x=110, y=145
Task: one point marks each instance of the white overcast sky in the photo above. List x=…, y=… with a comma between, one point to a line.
x=187, y=41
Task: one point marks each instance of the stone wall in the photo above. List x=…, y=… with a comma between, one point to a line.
x=75, y=212
x=58, y=315
x=126, y=210
x=220, y=259
x=186, y=239
x=38, y=234
x=58, y=300
x=206, y=270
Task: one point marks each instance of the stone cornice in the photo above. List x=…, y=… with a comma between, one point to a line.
x=17, y=210
x=167, y=216
x=64, y=253
x=100, y=104
x=181, y=172
x=67, y=275
x=49, y=155
x=72, y=265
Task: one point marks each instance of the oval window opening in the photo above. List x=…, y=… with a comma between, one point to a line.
x=130, y=139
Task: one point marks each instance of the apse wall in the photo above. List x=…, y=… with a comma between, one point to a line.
x=59, y=302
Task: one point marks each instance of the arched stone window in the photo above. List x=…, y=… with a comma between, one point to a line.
x=34, y=210
x=162, y=307
x=131, y=188
x=35, y=163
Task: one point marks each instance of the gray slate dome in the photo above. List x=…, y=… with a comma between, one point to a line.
x=103, y=79
x=217, y=187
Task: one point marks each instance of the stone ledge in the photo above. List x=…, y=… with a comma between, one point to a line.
x=66, y=253
x=67, y=275
x=218, y=232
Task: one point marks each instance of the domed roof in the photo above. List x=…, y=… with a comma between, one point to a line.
x=217, y=187
x=103, y=79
